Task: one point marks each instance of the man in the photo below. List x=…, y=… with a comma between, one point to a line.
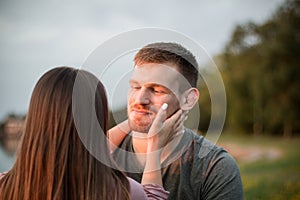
x=192, y=167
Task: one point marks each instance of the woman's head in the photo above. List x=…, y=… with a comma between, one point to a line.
x=53, y=162
x=53, y=104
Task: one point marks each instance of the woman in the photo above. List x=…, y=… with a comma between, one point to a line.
x=55, y=161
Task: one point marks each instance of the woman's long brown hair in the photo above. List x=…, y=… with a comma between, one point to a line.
x=52, y=161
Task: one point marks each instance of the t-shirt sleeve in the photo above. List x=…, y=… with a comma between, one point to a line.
x=222, y=179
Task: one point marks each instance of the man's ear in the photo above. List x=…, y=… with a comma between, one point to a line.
x=189, y=98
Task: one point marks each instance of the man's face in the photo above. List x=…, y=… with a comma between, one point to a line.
x=151, y=85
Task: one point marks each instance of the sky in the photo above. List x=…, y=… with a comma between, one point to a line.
x=36, y=36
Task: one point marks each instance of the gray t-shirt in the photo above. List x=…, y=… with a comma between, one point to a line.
x=201, y=171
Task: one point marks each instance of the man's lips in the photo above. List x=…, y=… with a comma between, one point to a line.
x=141, y=112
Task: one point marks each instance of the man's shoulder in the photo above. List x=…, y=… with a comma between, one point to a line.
x=205, y=151
x=201, y=144
x=205, y=168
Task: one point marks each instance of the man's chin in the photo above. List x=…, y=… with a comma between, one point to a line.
x=139, y=128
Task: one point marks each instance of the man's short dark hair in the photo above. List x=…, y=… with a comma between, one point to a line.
x=172, y=53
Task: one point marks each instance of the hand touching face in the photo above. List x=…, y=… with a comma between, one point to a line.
x=151, y=85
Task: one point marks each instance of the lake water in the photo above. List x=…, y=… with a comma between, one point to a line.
x=6, y=161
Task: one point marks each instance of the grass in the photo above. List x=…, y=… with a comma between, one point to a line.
x=268, y=178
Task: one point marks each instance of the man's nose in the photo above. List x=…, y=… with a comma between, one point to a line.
x=142, y=96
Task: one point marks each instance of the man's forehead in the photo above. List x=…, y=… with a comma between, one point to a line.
x=156, y=74
x=157, y=67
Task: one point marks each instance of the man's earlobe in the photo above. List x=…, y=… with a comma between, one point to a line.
x=190, y=98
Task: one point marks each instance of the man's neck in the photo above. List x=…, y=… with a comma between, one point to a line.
x=139, y=142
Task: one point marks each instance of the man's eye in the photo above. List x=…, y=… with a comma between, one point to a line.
x=157, y=91
x=135, y=87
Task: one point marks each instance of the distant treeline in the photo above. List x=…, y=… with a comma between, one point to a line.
x=260, y=66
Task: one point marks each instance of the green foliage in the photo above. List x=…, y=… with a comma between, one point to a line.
x=262, y=74
x=204, y=105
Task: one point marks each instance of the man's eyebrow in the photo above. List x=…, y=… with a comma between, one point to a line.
x=132, y=81
x=156, y=85
x=148, y=84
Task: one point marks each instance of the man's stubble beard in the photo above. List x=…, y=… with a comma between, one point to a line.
x=139, y=128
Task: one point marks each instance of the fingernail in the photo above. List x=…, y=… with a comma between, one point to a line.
x=164, y=106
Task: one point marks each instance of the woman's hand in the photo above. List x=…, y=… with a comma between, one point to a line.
x=164, y=130
x=161, y=132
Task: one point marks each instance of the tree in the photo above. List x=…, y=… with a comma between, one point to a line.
x=262, y=66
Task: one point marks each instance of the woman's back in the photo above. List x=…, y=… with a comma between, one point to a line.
x=52, y=161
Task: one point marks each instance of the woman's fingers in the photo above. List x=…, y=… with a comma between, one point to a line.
x=158, y=121
x=163, y=130
x=178, y=128
x=174, y=118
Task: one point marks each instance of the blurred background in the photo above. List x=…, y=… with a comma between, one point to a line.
x=255, y=45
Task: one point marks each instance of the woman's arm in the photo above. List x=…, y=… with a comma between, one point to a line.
x=117, y=133
x=161, y=132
